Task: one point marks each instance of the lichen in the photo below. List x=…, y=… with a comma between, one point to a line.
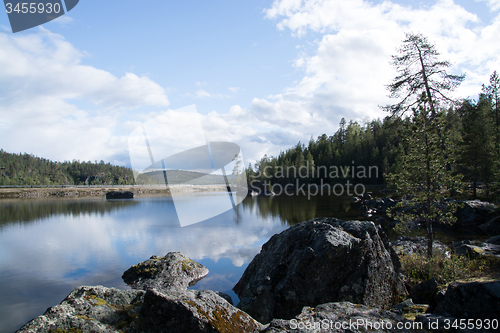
x=84, y=317
x=225, y=323
x=98, y=301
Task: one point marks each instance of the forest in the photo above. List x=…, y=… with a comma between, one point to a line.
x=27, y=169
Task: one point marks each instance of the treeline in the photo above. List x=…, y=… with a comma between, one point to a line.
x=26, y=169
x=473, y=129
x=373, y=146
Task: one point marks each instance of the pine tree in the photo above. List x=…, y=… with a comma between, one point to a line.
x=423, y=178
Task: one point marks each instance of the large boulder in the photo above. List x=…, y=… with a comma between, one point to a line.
x=174, y=271
x=319, y=261
x=91, y=309
x=192, y=311
x=340, y=317
x=476, y=300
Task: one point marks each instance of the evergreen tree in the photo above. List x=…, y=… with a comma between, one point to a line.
x=423, y=178
x=477, y=149
x=420, y=72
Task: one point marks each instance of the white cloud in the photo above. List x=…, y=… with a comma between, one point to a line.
x=64, y=20
x=346, y=75
x=41, y=84
x=234, y=89
x=204, y=94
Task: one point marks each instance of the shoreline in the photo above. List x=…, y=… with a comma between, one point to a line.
x=81, y=191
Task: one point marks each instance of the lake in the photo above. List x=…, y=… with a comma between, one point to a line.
x=48, y=247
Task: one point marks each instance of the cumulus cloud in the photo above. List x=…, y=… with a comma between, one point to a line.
x=346, y=74
x=41, y=84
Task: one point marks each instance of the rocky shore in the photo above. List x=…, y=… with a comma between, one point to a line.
x=322, y=275
x=101, y=191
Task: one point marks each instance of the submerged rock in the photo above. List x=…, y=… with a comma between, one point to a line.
x=319, y=261
x=119, y=195
x=91, y=309
x=174, y=271
x=341, y=317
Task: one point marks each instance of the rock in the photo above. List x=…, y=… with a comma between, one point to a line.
x=494, y=240
x=492, y=227
x=225, y=296
x=425, y=292
x=409, y=245
x=355, y=200
x=191, y=311
x=467, y=249
x=174, y=271
x=474, y=213
x=476, y=300
x=319, y=261
x=91, y=309
x=340, y=317
x=475, y=249
x=119, y=195
x=440, y=323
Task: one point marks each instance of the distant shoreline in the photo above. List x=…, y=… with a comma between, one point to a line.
x=26, y=192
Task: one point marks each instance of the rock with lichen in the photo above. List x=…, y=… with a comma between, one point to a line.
x=91, y=309
x=319, y=261
x=341, y=317
x=160, y=302
x=192, y=311
x=174, y=271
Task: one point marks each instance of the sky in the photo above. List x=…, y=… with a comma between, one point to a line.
x=262, y=74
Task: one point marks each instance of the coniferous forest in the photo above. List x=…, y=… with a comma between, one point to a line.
x=26, y=169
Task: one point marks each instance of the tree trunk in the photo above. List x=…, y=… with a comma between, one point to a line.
x=430, y=238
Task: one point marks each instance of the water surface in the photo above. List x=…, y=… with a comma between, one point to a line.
x=48, y=247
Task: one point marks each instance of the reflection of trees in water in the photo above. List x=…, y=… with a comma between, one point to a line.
x=26, y=211
x=295, y=209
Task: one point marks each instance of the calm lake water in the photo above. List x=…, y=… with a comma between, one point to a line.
x=48, y=247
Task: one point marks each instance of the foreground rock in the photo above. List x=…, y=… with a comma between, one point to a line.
x=174, y=272
x=342, y=317
x=163, y=304
x=319, y=261
x=91, y=309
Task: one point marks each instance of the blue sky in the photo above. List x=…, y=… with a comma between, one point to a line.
x=262, y=74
